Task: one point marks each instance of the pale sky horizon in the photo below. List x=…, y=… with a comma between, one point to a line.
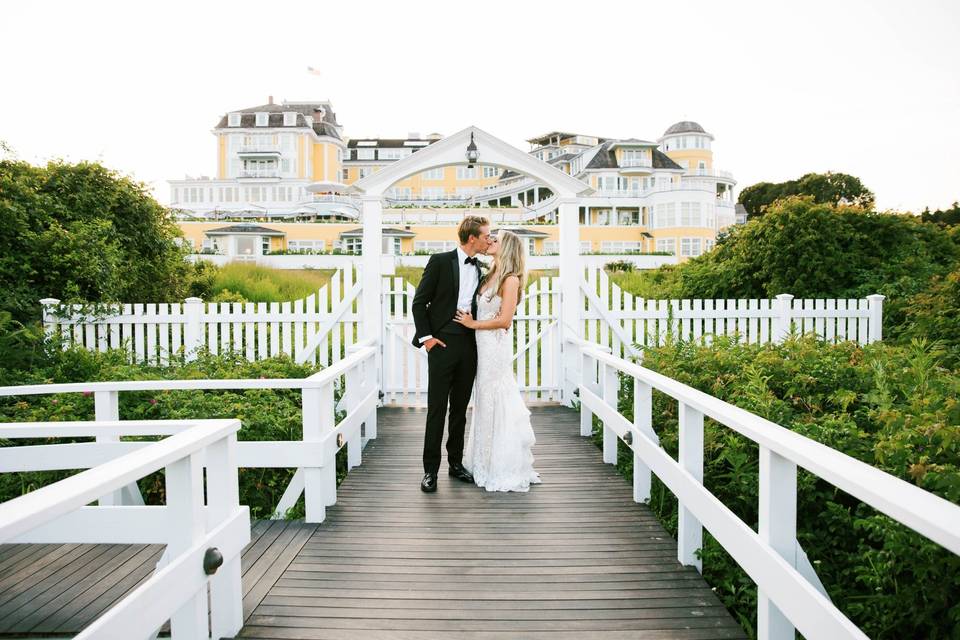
x=866, y=88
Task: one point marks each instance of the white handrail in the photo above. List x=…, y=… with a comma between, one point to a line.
x=789, y=592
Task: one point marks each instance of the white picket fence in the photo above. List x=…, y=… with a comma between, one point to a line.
x=626, y=323
x=318, y=328
x=536, y=329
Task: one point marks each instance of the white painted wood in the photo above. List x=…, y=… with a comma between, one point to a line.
x=875, y=308
x=643, y=427
x=611, y=390
x=223, y=499
x=690, y=459
x=778, y=529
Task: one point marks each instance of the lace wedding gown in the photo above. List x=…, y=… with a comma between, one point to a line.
x=498, y=449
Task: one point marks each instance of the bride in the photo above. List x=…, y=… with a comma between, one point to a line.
x=498, y=449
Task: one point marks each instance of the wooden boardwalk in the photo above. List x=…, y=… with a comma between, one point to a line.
x=573, y=558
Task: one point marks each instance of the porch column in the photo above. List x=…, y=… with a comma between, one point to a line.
x=571, y=272
x=371, y=215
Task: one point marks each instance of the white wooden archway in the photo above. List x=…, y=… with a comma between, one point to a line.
x=451, y=151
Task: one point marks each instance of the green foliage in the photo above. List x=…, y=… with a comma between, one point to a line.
x=659, y=283
x=945, y=218
x=820, y=251
x=934, y=315
x=268, y=414
x=83, y=233
x=824, y=188
x=892, y=407
x=252, y=283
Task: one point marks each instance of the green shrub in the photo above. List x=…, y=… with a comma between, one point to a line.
x=892, y=407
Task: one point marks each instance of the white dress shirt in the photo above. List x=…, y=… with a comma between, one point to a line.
x=469, y=279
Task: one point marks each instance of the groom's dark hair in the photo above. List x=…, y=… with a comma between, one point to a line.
x=470, y=226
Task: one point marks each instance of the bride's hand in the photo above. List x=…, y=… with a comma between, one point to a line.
x=465, y=318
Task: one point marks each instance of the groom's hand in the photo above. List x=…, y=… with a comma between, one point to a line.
x=432, y=342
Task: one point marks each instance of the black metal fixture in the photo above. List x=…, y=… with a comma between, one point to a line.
x=628, y=438
x=212, y=559
x=339, y=441
x=472, y=154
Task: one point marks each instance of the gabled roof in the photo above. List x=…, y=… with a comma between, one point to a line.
x=328, y=126
x=606, y=159
x=663, y=161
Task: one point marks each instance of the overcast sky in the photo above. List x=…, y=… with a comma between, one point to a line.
x=867, y=88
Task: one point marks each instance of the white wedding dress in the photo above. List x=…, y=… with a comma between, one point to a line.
x=498, y=447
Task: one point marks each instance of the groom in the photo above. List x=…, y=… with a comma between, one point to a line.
x=450, y=282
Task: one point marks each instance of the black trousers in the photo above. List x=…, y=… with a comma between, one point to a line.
x=450, y=376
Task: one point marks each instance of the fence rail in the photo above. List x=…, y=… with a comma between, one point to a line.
x=790, y=594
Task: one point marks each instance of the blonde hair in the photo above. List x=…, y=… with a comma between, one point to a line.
x=510, y=260
x=470, y=226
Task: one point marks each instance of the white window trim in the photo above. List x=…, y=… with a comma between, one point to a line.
x=233, y=120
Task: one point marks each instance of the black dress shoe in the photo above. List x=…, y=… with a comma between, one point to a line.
x=429, y=483
x=460, y=473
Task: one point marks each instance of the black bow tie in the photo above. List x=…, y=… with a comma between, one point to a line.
x=469, y=260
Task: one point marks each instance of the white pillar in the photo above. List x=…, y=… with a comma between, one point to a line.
x=372, y=215
x=571, y=272
x=875, y=305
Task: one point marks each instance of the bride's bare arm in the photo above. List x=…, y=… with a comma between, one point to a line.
x=509, y=296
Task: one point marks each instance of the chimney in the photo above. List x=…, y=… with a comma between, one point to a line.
x=269, y=99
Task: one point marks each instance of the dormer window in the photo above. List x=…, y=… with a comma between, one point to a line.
x=289, y=118
x=233, y=120
x=262, y=118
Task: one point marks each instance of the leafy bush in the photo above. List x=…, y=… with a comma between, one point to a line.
x=892, y=407
x=265, y=414
x=620, y=265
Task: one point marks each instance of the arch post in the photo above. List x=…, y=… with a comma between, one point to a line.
x=370, y=267
x=571, y=271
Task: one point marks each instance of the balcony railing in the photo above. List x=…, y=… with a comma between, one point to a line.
x=710, y=173
x=642, y=163
x=259, y=173
x=260, y=148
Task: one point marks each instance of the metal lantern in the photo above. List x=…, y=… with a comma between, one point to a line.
x=472, y=154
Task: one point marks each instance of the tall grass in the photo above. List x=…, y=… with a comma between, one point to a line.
x=657, y=284
x=263, y=284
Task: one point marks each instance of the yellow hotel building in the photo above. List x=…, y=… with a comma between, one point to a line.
x=284, y=170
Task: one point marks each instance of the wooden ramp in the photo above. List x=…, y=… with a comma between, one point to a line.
x=574, y=558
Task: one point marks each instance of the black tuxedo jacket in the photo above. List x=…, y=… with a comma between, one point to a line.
x=435, y=302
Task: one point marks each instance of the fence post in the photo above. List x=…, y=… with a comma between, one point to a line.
x=49, y=319
x=192, y=327
x=107, y=408
x=353, y=390
x=184, y=484
x=313, y=498
x=370, y=372
x=690, y=531
x=611, y=387
x=784, y=306
x=643, y=426
x=223, y=499
x=327, y=421
x=586, y=371
x=778, y=529
x=875, y=302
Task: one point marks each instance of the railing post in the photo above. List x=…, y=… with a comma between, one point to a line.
x=353, y=390
x=107, y=408
x=783, y=319
x=223, y=498
x=49, y=318
x=313, y=498
x=184, y=484
x=192, y=328
x=586, y=382
x=690, y=531
x=328, y=473
x=643, y=426
x=875, y=303
x=777, y=528
x=611, y=388
x=370, y=373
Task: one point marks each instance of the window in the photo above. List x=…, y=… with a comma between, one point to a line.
x=708, y=244
x=491, y=172
x=625, y=218
x=433, y=246
x=363, y=172
x=666, y=245
x=353, y=244
x=263, y=119
x=433, y=193
x=690, y=214
x=399, y=193
x=390, y=246
x=364, y=154
x=346, y=175
x=433, y=174
x=289, y=118
x=305, y=245
x=463, y=173
x=264, y=245
x=393, y=154
x=551, y=246
x=233, y=120
x=665, y=215
x=586, y=246
x=621, y=246
x=634, y=158
x=690, y=247
x=701, y=165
